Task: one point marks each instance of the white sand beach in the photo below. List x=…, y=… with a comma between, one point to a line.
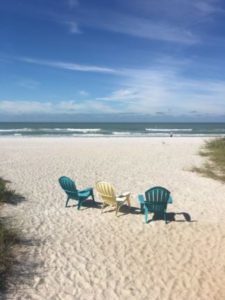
x=84, y=254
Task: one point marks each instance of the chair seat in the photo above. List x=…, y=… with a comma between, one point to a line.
x=121, y=198
x=85, y=193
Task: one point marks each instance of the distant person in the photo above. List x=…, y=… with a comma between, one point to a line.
x=171, y=134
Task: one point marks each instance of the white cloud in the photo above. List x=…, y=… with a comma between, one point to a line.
x=17, y=107
x=83, y=93
x=150, y=91
x=25, y=107
x=67, y=106
x=68, y=66
x=121, y=94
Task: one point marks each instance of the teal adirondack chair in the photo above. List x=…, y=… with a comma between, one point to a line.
x=155, y=201
x=73, y=193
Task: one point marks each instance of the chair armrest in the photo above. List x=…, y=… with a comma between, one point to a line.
x=86, y=190
x=126, y=194
x=170, y=200
x=141, y=199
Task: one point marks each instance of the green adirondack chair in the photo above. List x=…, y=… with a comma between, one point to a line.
x=155, y=201
x=69, y=187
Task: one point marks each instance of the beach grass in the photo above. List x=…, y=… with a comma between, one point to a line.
x=214, y=151
x=8, y=239
x=5, y=194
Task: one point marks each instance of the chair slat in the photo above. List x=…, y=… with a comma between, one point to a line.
x=156, y=199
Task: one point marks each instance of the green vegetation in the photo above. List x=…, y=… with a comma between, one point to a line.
x=8, y=238
x=5, y=194
x=214, y=150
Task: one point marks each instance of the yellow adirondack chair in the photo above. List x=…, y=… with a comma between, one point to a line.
x=107, y=193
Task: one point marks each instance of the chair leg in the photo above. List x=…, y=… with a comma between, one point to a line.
x=146, y=216
x=129, y=205
x=165, y=217
x=92, y=195
x=68, y=198
x=79, y=204
x=117, y=209
x=103, y=206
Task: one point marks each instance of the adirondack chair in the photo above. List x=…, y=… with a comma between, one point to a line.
x=107, y=194
x=155, y=201
x=73, y=193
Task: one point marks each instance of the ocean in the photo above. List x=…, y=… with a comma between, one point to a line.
x=111, y=129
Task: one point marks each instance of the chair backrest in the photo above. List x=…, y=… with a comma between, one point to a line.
x=69, y=186
x=156, y=199
x=107, y=192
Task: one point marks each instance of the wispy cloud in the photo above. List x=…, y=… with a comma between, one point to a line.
x=73, y=27
x=72, y=3
x=28, y=83
x=68, y=66
x=120, y=95
x=17, y=107
x=165, y=95
x=167, y=91
x=208, y=7
x=148, y=29
x=141, y=27
x=25, y=107
x=162, y=88
x=83, y=93
x=173, y=10
x=167, y=21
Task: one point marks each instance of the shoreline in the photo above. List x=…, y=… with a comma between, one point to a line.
x=111, y=136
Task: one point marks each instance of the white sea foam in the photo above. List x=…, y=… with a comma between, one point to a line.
x=160, y=134
x=83, y=130
x=89, y=135
x=122, y=133
x=110, y=131
x=16, y=130
x=168, y=129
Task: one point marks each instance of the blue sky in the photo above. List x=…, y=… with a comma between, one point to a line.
x=112, y=60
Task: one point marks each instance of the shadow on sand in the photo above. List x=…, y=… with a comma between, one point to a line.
x=86, y=204
x=124, y=210
x=172, y=217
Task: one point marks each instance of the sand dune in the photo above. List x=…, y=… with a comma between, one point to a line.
x=84, y=254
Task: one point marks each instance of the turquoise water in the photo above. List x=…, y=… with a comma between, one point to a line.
x=112, y=129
